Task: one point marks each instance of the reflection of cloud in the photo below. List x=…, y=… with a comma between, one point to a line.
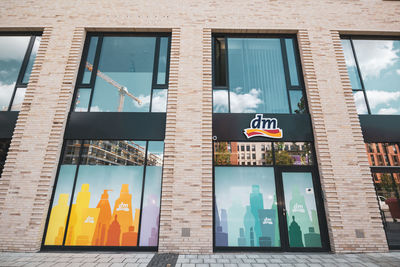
x=245, y=103
x=375, y=56
x=398, y=72
x=13, y=47
x=387, y=111
x=360, y=103
x=5, y=95
x=159, y=103
x=376, y=98
x=145, y=101
x=220, y=101
x=95, y=109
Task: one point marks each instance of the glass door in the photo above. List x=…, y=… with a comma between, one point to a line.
x=302, y=210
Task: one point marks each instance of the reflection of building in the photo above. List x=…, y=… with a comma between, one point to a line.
x=383, y=154
x=99, y=152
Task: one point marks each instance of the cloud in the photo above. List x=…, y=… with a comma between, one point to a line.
x=5, y=95
x=245, y=103
x=388, y=111
x=360, y=103
x=144, y=98
x=220, y=101
x=398, y=71
x=375, y=56
x=13, y=47
x=159, y=103
x=376, y=98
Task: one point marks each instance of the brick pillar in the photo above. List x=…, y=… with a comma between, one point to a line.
x=27, y=181
x=186, y=205
x=350, y=199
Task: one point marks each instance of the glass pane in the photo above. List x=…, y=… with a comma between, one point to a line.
x=82, y=100
x=302, y=216
x=379, y=62
x=126, y=73
x=155, y=153
x=151, y=207
x=116, y=152
x=12, y=52
x=256, y=76
x=293, y=153
x=359, y=100
x=220, y=62
x=89, y=60
x=387, y=190
x=351, y=65
x=383, y=154
x=245, y=207
x=220, y=101
x=233, y=153
x=384, y=102
x=18, y=99
x=297, y=102
x=32, y=57
x=162, y=61
x=106, y=204
x=4, y=145
x=294, y=80
x=65, y=180
x=159, y=101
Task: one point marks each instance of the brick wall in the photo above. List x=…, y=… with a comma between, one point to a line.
x=27, y=181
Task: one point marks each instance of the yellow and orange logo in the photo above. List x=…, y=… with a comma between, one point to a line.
x=263, y=127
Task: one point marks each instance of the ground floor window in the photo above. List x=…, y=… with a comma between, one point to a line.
x=384, y=161
x=107, y=193
x=273, y=200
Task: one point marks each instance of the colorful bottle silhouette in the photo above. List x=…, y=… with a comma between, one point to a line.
x=256, y=203
x=248, y=223
x=77, y=212
x=295, y=235
x=113, y=233
x=312, y=239
x=129, y=238
x=58, y=218
x=103, y=221
x=123, y=209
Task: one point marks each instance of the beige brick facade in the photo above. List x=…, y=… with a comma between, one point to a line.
x=27, y=181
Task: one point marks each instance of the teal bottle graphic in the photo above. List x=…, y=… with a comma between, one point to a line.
x=312, y=239
x=235, y=213
x=248, y=222
x=298, y=209
x=256, y=203
x=295, y=235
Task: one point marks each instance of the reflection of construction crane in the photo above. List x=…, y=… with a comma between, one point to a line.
x=121, y=89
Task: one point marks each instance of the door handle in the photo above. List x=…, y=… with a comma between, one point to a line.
x=284, y=212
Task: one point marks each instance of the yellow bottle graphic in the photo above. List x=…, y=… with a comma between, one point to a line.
x=58, y=218
x=78, y=211
x=123, y=209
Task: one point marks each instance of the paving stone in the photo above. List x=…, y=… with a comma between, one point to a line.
x=103, y=264
x=216, y=265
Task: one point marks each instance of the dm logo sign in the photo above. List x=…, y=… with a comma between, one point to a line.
x=264, y=127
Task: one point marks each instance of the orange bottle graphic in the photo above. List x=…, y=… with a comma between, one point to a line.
x=103, y=221
x=123, y=209
x=114, y=232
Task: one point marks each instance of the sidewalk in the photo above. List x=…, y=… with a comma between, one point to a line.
x=106, y=259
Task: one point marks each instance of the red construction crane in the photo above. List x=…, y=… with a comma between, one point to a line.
x=121, y=89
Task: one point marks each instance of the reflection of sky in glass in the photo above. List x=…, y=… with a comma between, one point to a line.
x=159, y=101
x=18, y=98
x=359, y=99
x=295, y=97
x=351, y=65
x=32, y=57
x=112, y=178
x=82, y=100
x=294, y=80
x=256, y=76
x=129, y=62
x=12, y=52
x=90, y=59
x=156, y=149
x=220, y=101
x=162, y=63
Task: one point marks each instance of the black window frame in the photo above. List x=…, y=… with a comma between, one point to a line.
x=289, y=87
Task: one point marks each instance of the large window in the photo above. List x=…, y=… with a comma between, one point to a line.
x=107, y=194
x=384, y=161
x=257, y=75
x=374, y=71
x=123, y=74
x=17, y=55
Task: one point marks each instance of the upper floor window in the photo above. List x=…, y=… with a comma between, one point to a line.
x=17, y=55
x=257, y=75
x=123, y=73
x=374, y=71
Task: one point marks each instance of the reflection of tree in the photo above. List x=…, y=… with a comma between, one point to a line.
x=386, y=185
x=306, y=153
x=222, y=154
x=301, y=106
x=282, y=157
